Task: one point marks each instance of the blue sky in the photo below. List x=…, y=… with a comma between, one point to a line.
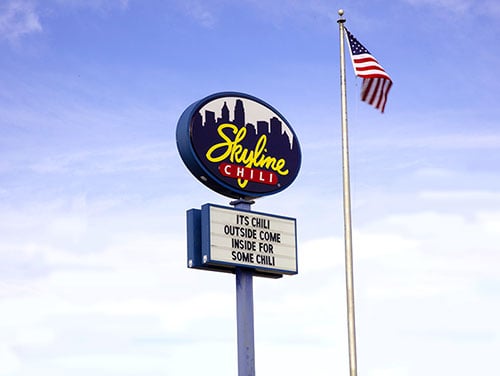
x=93, y=194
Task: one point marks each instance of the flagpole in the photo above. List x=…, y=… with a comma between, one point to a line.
x=347, y=207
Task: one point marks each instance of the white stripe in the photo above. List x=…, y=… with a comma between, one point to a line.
x=362, y=56
x=372, y=71
x=383, y=94
x=369, y=64
x=373, y=97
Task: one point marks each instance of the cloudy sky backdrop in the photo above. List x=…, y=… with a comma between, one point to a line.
x=93, y=194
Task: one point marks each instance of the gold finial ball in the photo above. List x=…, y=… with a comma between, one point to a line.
x=341, y=12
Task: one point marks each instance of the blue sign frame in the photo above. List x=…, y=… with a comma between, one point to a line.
x=198, y=244
x=265, y=157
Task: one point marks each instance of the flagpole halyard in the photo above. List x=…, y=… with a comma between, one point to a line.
x=347, y=206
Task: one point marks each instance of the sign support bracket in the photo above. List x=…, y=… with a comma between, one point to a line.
x=244, y=311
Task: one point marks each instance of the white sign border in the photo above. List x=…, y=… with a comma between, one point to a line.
x=208, y=256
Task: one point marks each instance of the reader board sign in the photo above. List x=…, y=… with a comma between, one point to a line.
x=238, y=145
x=230, y=238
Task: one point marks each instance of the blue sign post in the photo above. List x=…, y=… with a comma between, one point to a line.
x=246, y=243
x=243, y=148
x=244, y=317
x=244, y=312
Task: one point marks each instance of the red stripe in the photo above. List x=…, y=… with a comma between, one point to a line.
x=374, y=93
x=381, y=95
x=370, y=67
x=389, y=85
x=367, y=84
x=376, y=82
x=364, y=59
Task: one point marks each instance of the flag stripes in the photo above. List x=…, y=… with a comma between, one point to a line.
x=376, y=81
x=374, y=91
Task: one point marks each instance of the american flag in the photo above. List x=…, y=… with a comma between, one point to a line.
x=376, y=82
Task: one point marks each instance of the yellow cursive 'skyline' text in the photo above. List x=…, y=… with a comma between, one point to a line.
x=231, y=149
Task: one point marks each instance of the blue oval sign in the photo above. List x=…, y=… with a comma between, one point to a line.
x=238, y=145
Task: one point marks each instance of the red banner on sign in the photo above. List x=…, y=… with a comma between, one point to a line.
x=249, y=174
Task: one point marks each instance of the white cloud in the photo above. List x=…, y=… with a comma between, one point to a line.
x=134, y=295
x=449, y=255
x=17, y=19
x=101, y=5
x=389, y=371
x=489, y=8
x=148, y=157
x=200, y=11
x=460, y=195
x=458, y=6
x=278, y=12
x=9, y=361
x=444, y=141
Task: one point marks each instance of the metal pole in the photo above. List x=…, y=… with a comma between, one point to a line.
x=244, y=308
x=244, y=312
x=347, y=207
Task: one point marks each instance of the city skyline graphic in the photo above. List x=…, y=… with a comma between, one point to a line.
x=246, y=113
x=280, y=142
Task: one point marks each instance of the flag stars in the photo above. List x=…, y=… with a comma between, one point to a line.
x=376, y=81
